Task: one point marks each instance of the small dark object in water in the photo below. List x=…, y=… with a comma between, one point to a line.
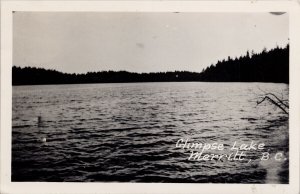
x=39, y=121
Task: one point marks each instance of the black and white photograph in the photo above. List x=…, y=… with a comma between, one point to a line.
x=186, y=99
x=150, y=97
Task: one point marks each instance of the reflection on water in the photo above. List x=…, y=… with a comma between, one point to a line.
x=128, y=132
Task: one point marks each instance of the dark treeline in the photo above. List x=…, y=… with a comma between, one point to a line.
x=32, y=76
x=267, y=66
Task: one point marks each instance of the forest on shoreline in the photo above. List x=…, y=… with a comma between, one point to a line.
x=266, y=66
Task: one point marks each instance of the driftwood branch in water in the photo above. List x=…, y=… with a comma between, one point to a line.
x=279, y=100
x=279, y=103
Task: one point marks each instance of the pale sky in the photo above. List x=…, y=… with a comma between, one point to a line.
x=140, y=42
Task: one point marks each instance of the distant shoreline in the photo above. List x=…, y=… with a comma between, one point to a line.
x=149, y=82
x=268, y=66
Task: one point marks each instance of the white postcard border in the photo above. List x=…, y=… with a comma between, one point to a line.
x=7, y=7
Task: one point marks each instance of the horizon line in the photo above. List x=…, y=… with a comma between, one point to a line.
x=100, y=71
x=213, y=63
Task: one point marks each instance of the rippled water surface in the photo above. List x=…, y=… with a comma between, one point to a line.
x=128, y=132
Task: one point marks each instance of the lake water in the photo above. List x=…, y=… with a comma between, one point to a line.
x=128, y=132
